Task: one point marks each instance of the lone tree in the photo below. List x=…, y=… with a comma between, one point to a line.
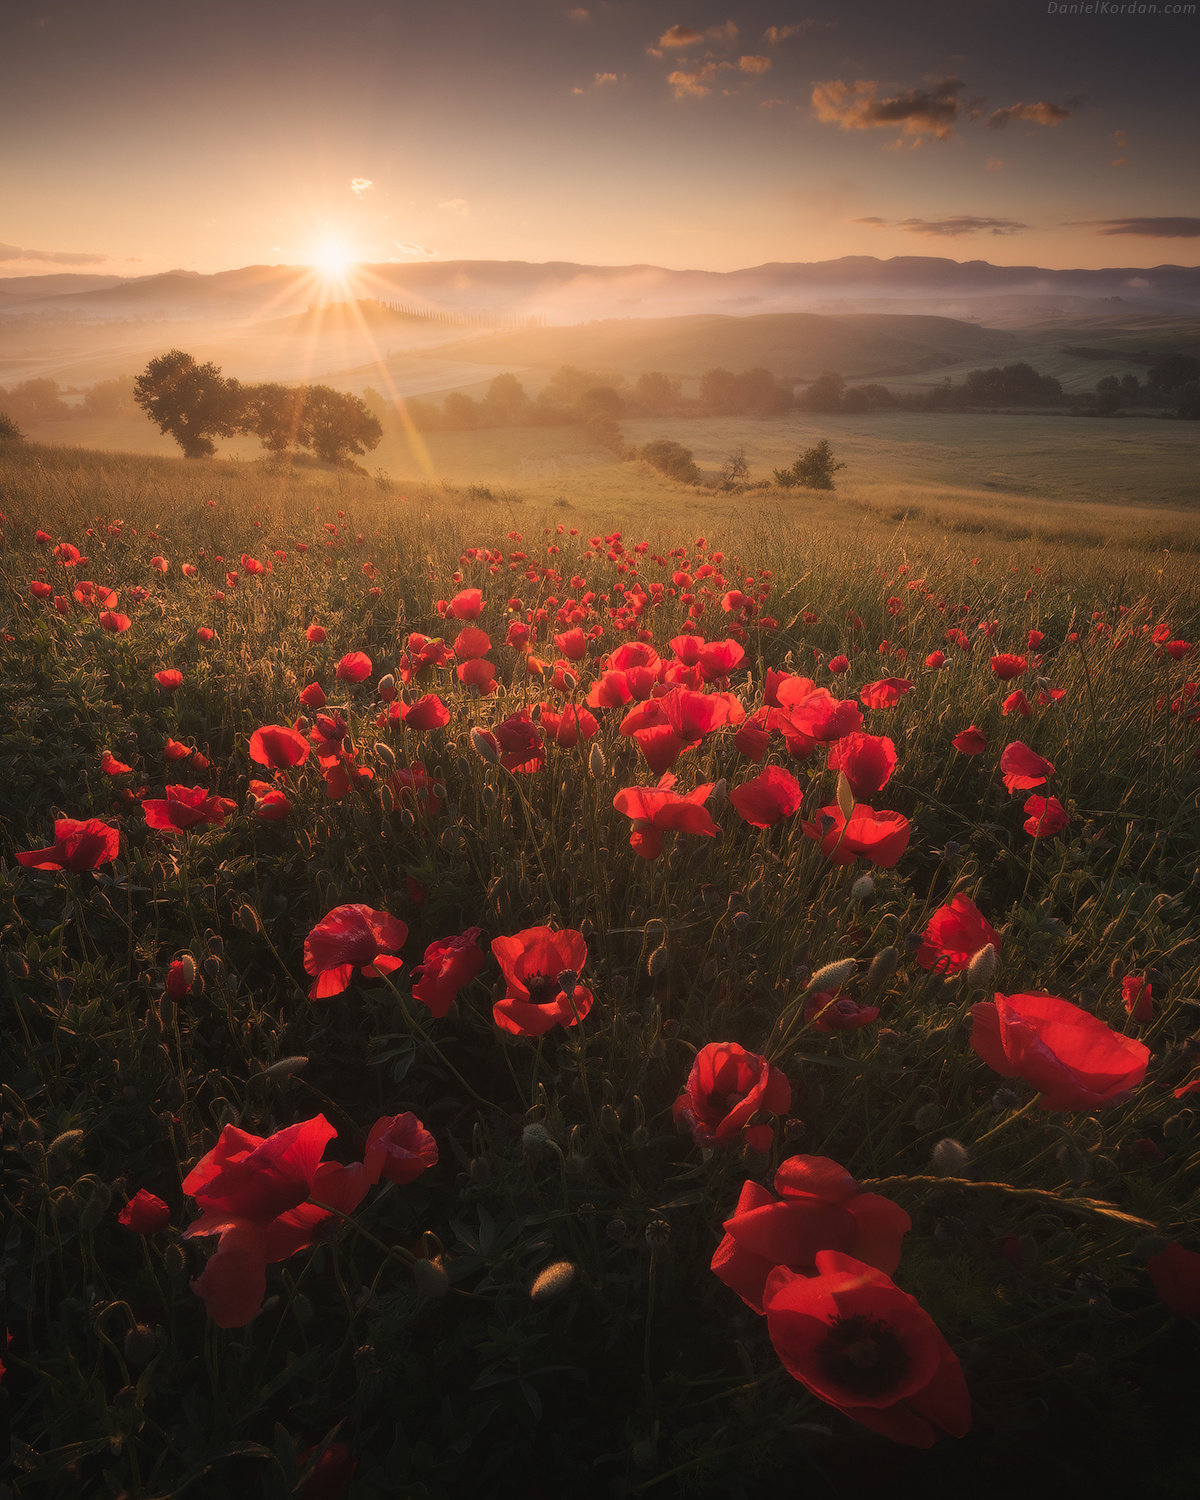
x=813, y=470
x=192, y=402
x=672, y=459
x=335, y=425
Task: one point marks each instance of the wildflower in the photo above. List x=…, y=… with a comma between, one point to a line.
x=39, y=589
x=350, y=937
x=334, y=1469
x=478, y=674
x=77, y=846
x=970, y=741
x=658, y=808
x=1135, y=992
x=169, y=679
x=203, y=634
x=838, y=665
x=855, y=1340
x=110, y=619
x=183, y=807
x=428, y=712
x=1074, y=1059
x=567, y=728
x=1175, y=1273
x=533, y=961
x=881, y=837
x=174, y=751
x=354, y=667
x=399, y=1148
x=867, y=759
x=936, y=660
x=820, y=1207
x=315, y=634
x=413, y=785
x=885, y=693
x=1007, y=667
x=726, y=1089
x=449, y=964
x=277, y=746
x=472, y=643
x=954, y=935
x=827, y=1012
x=313, y=696
x=144, y=1213
x=520, y=743
x=768, y=797
x=1023, y=768
x=270, y=805
x=1046, y=817
x=468, y=605
x=111, y=766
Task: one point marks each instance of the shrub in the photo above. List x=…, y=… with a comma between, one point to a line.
x=813, y=470
x=672, y=459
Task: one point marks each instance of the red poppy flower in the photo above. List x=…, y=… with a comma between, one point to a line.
x=753, y=738
x=315, y=634
x=111, y=620
x=185, y=806
x=820, y=1207
x=1074, y=1059
x=77, y=846
x=39, y=589
x=413, y=787
x=827, y=1012
x=838, y=665
x=768, y=797
x=1047, y=816
x=568, y=727
x=313, y=696
x=471, y=644
x=428, y=712
x=867, y=759
x=203, y=634
x=68, y=555
x=1023, y=768
x=144, y=1213
x=254, y=1192
x=42, y=537
x=718, y=658
x=520, y=743
x=1175, y=1273
x=881, y=837
x=354, y=667
x=1008, y=667
x=884, y=693
x=468, y=605
x=1016, y=703
x=855, y=1340
x=277, y=746
x=399, y=1148
x=328, y=737
x=656, y=809
x=532, y=962
x=634, y=654
x=1139, y=1003
x=330, y=1478
x=970, y=741
x=478, y=674
x=820, y=716
x=270, y=804
x=936, y=660
x=173, y=750
x=726, y=1088
x=611, y=690
x=347, y=938
x=169, y=679
x=111, y=766
x=955, y=934
x=449, y=964
x=687, y=648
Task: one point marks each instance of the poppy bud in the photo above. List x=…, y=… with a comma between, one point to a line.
x=431, y=1277
x=66, y=988
x=1089, y=997
x=658, y=960
x=1004, y=1099
x=552, y=1281
x=982, y=969
x=387, y=687
x=247, y=920
x=927, y=1116
x=175, y=1259
x=216, y=944
x=597, y=765
x=63, y=1145
x=286, y=1067
x=17, y=966
x=832, y=976
x=485, y=745
x=28, y=1131
x=188, y=966
x=609, y=1122
x=716, y=798
x=140, y=1344
x=950, y=1157
x=1074, y=1162
x=863, y=888
x=1173, y=1126
x=883, y=966
x=1116, y=969
x=536, y=1139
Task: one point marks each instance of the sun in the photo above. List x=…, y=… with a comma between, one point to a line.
x=333, y=258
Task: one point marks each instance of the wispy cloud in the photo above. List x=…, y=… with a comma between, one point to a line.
x=578, y=14
x=679, y=36
x=601, y=81
x=754, y=64
x=676, y=37
x=360, y=185
x=53, y=257
x=456, y=206
x=932, y=110
x=1041, y=113
x=774, y=36
x=994, y=164
x=692, y=83
x=407, y=248
x=1156, y=229
x=949, y=228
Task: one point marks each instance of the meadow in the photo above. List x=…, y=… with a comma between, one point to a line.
x=597, y=986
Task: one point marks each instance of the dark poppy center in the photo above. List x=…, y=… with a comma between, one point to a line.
x=542, y=989
x=864, y=1355
x=723, y=1103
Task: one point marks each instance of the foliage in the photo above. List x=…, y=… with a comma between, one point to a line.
x=9, y=431
x=194, y=403
x=813, y=470
x=335, y=424
x=672, y=459
x=639, y=1368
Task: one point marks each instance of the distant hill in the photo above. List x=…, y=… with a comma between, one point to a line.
x=797, y=345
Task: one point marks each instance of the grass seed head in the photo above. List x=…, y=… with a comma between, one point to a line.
x=832, y=976
x=552, y=1281
x=982, y=969
x=951, y=1157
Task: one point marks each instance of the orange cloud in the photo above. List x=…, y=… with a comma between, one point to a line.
x=949, y=228
x=932, y=110
x=679, y=36
x=754, y=64
x=1040, y=114
x=693, y=83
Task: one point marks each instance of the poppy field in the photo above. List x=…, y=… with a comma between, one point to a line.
x=499, y=1004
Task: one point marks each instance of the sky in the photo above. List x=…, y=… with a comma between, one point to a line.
x=145, y=135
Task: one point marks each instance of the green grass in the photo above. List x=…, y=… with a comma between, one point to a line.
x=647, y=1376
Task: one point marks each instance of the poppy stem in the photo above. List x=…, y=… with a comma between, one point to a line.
x=429, y=1042
x=1008, y=1119
x=395, y=1252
